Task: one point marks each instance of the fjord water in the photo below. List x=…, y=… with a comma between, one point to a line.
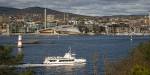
x=96, y=49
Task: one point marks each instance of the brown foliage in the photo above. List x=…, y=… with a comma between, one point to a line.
x=128, y=66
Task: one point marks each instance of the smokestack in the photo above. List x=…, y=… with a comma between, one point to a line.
x=45, y=16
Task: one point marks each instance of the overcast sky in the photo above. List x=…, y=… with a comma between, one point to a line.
x=86, y=7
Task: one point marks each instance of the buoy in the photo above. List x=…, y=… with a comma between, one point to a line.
x=20, y=41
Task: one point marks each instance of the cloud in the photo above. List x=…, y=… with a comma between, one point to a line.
x=86, y=7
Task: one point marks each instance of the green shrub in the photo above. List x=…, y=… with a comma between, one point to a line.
x=145, y=50
x=140, y=70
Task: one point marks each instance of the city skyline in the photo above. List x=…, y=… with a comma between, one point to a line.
x=86, y=7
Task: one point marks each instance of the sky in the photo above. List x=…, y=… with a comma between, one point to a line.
x=86, y=7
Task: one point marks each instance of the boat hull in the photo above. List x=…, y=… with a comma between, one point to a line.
x=43, y=65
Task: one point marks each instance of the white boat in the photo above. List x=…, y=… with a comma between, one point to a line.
x=67, y=59
x=91, y=33
x=67, y=29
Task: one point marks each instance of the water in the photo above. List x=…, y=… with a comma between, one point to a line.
x=113, y=48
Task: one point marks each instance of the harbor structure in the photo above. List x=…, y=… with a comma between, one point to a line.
x=20, y=45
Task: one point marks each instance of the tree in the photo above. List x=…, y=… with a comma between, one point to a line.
x=7, y=58
x=138, y=63
x=140, y=70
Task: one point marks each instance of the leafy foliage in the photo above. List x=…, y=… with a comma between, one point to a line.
x=6, y=59
x=145, y=50
x=140, y=70
x=28, y=72
x=138, y=63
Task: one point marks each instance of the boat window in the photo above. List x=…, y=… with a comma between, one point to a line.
x=52, y=60
x=65, y=60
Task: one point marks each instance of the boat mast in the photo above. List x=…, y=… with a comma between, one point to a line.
x=69, y=50
x=8, y=29
x=64, y=17
x=67, y=19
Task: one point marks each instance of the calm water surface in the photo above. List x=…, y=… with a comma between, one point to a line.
x=113, y=48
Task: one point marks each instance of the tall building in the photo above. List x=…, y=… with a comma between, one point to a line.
x=149, y=19
x=4, y=18
x=1, y=19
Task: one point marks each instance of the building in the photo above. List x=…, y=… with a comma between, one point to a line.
x=118, y=28
x=50, y=18
x=1, y=19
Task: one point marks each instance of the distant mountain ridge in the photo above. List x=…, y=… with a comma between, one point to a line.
x=8, y=10
x=31, y=10
x=40, y=10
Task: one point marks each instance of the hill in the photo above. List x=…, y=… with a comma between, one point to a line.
x=35, y=10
